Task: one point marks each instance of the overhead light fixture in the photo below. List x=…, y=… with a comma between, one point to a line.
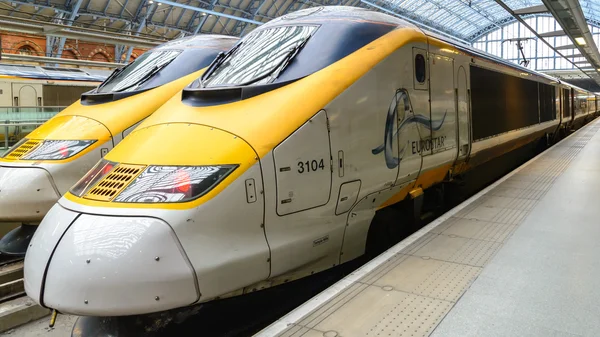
x=580, y=41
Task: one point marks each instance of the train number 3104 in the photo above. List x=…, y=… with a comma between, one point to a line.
x=310, y=166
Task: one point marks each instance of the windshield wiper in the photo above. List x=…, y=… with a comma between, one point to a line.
x=287, y=59
x=146, y=77
x=216, y=63
x=111, y=76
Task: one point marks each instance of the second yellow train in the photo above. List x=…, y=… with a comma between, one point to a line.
x=39, y=169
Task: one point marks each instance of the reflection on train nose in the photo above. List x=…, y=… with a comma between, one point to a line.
x=109, y=255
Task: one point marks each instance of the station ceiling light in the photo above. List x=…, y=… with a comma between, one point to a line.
x=580, y=41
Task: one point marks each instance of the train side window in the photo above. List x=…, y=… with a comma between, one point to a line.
x=420, y=68
x=420, y=74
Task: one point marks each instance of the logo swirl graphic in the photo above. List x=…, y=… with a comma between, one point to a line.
x=391, y=160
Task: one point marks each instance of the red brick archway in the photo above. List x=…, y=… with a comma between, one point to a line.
x=27, y=45
x=99, y=54
x=71, y=53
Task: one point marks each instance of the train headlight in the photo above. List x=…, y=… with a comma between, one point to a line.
x=57, y=149
x=157, y=184
x=92, y=177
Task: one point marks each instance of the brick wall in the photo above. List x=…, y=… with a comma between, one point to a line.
x=11, y=42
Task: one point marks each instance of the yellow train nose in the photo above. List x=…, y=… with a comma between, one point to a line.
x=71, y=127
x=178, y=148
x=182, y=144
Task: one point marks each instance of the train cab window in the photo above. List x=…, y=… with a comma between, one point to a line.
x=138, y=72
x=420, y=68
x=260, y=58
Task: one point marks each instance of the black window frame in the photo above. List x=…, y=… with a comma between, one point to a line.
x=418, y=57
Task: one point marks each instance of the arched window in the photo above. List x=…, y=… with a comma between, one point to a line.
x=100, y=57
x=26, y=50
x=69, y=54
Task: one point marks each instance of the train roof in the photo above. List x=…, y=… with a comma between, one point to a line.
x=320, y=15
x=53, y=73
x=325, y=14
x=198, y=41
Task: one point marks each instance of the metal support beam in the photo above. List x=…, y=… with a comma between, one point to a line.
x=169, y=13
x=532, y=10
x=119, y=49
x=147, y=17
x=204, y=18
x=181, y=14
x=552, y=34
x=61, y=43
x=191, y=22
x=257, y=11
x=199, y=26
x=568, y=46
x=171, y=3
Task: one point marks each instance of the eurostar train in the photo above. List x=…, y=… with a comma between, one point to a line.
x=273, y=164
x=39, y=169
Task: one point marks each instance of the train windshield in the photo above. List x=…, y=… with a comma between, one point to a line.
x=138, y=72
x=259, y=58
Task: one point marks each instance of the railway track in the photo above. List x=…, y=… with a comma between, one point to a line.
x=15, y=307
x=11, y=278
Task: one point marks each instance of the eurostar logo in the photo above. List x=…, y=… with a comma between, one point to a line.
x=401, y=97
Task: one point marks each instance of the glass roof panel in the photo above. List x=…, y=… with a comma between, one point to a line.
x=469, y=19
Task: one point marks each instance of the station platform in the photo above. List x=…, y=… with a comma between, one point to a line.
x=519, y=258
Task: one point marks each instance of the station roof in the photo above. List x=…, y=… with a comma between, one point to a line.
x=470, y=19
x=465, y=19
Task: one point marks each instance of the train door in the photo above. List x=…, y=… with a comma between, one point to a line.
x=559, y=105
x=443, y=107
x=298, y=230
x=420, y=99
x=303, y=163
x=572, y=106
x=462, y=108
x=5, y=94
x=566, y=104
x=27, y=94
